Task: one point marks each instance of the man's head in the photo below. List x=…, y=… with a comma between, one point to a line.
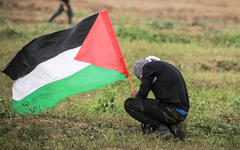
x=138, y=67
x=140, y=63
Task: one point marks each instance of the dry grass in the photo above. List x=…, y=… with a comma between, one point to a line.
x=209, y=63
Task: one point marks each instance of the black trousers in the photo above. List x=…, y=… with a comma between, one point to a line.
x=60, y=10
x=152, y=112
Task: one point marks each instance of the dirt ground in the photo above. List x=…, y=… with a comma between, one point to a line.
x=36, y=11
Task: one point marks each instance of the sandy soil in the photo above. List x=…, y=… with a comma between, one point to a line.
x=35, y=11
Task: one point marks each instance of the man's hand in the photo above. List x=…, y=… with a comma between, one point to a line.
x=134, y=93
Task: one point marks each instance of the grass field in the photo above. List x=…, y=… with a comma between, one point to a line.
x=205, y=50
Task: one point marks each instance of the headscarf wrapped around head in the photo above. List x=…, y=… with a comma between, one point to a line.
x=138, y=67
x=140, y=63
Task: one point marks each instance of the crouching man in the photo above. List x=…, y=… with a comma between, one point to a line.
x=165, y=114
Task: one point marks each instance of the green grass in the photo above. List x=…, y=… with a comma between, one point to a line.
x=208, y=61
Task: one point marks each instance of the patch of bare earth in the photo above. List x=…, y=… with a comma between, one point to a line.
x=33, y=11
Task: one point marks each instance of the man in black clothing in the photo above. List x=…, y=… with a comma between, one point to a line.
x=64, y=6
x=165, y=114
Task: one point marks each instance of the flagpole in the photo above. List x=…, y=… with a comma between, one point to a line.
x=130, y=81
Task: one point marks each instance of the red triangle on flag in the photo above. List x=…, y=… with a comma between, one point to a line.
x=101, y=47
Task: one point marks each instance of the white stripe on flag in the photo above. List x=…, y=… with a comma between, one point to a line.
x=56, y=68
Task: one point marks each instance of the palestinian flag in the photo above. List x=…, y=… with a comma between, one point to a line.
x=55, y=66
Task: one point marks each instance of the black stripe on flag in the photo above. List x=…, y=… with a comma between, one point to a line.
x=48, y=46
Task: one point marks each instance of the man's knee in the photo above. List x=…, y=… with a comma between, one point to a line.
x=128, y=103
x=132, y=104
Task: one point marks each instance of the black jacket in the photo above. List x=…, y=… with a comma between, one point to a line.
x=169, y=86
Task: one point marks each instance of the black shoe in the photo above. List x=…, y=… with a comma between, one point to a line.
x=146, y=128
x=165, y=134
x=179, y=130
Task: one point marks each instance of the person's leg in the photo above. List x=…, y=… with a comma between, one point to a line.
x=69, y=13
x=174, y=119
x=138, y=110
x=160, y=116
x=162, y=112
x=58, y=12
x=135, y=109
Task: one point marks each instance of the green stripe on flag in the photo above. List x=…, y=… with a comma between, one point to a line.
x=89, y=78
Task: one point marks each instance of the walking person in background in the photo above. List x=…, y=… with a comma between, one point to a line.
x=165, y=114
x=64, y=6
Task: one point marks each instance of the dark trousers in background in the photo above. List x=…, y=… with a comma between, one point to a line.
x=153, y=112
x=60, y=10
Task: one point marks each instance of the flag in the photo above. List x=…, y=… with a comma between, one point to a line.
x=55, y=66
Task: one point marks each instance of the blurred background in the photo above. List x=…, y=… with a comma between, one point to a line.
x=192, y=11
